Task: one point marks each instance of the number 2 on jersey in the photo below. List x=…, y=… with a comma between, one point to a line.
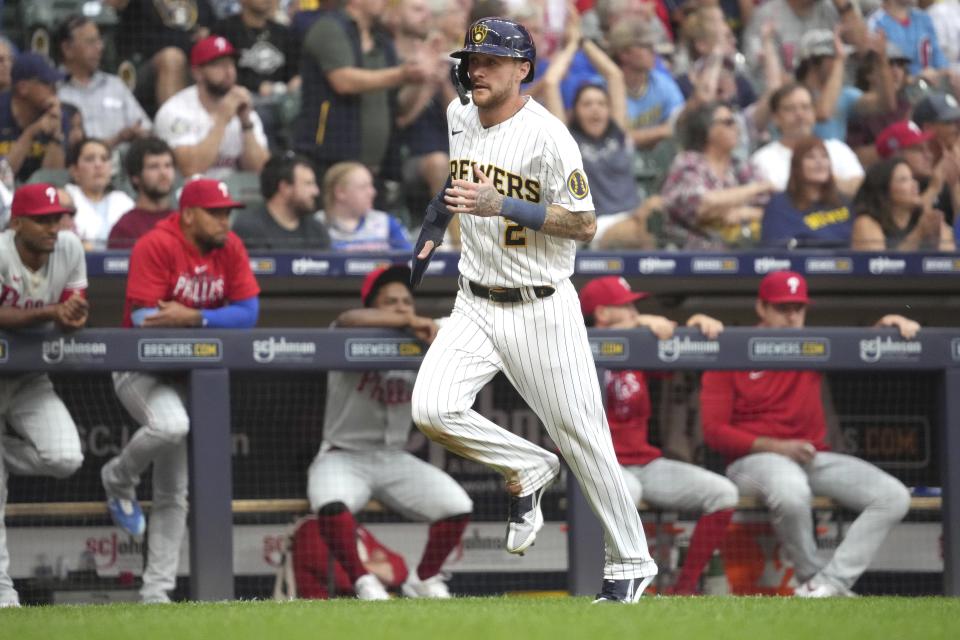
x=514, y=235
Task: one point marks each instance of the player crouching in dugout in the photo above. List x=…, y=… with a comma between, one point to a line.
x=771, y=427
x=366, y=425
x=43, y=281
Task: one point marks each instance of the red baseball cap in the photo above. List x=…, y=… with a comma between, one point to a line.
x=899, y=136
x=40, y=199
x=784, y=286
x=209, y=49
x=208, y=194
x=379, y=277
x=608, y=291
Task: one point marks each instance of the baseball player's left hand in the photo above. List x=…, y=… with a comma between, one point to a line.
x=908, y=328
x=479, y=199
x=709, y=327
x=173, y=314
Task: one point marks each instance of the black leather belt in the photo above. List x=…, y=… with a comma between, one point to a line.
x=502, y=294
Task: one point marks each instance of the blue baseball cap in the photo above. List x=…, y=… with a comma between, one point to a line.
x=33, y=66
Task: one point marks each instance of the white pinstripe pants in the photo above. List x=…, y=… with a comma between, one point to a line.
x=542, y=348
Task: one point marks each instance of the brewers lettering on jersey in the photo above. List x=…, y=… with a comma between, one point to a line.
x=43, y=280
x=523, y=200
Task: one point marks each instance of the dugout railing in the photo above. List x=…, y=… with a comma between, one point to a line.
x=211, y=356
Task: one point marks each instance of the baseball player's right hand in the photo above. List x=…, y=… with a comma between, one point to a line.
x=425, y=329
x=72, y=312
x=800, y=451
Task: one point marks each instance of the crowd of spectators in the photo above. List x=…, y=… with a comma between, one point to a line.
x=703, y=125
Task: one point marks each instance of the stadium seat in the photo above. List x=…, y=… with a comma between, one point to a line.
x=245, y=186
x=56, y=177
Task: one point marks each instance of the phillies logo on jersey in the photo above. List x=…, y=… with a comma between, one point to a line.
x=199, y=289
x=10, y=297
x=389, y=391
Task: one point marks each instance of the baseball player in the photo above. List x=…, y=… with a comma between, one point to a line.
x=43, y=282
x=771, y=427
x=518, y=185
x=190, y=270
x=608, y=303
x=366, y=425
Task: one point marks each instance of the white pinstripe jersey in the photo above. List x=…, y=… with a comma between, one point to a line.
x=530, y=156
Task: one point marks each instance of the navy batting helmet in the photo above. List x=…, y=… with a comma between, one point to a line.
x=496, y=37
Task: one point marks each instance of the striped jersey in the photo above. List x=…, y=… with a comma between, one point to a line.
x=530, y=156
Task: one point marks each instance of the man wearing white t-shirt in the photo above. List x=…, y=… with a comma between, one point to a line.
x=792, y=110
x=212, y=126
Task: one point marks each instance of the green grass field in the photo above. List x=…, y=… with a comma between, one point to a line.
x=512, y=618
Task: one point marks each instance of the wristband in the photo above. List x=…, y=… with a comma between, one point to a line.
x=527, y=214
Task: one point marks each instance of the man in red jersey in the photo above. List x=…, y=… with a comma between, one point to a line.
x=771, y=427
x=190, y=270
x=608, y=303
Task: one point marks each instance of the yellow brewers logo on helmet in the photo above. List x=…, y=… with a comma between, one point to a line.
x=577, y=184
x=478, y=34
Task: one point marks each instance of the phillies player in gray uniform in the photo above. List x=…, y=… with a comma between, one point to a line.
x=366, y=425
x=43, y=282
x=518, y=185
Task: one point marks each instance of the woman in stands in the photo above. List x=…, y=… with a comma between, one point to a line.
x=98, y=206
x=811, y=212
x=890, y=214
x=598, y=122
x=714, y=200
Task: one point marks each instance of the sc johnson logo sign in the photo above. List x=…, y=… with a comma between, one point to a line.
x=60, y=350
x=600, y=265
x=609, y=348
x=272, y=349
x=882, y=265
x=768, y=264
x=886, y=349
x=715, y=265
x=177, y=350
x=359, y=349
x=788, y=349
x=647, y=266
x=310, y=267
x=685, y=349
x=954, y=349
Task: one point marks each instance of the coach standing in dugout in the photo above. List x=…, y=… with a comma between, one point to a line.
x=43, y=281
x=191, y=271
x=772, y=429
x=524, y=202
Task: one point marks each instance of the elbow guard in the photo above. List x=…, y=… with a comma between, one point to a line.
x=435, y=223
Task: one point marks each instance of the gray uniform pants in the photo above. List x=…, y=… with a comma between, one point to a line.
x=158, y=404
x=671, y=484
x=48, y=445
x=787, y=488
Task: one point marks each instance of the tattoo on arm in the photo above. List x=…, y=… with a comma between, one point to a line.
x=489, y=202
x=579, y=225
